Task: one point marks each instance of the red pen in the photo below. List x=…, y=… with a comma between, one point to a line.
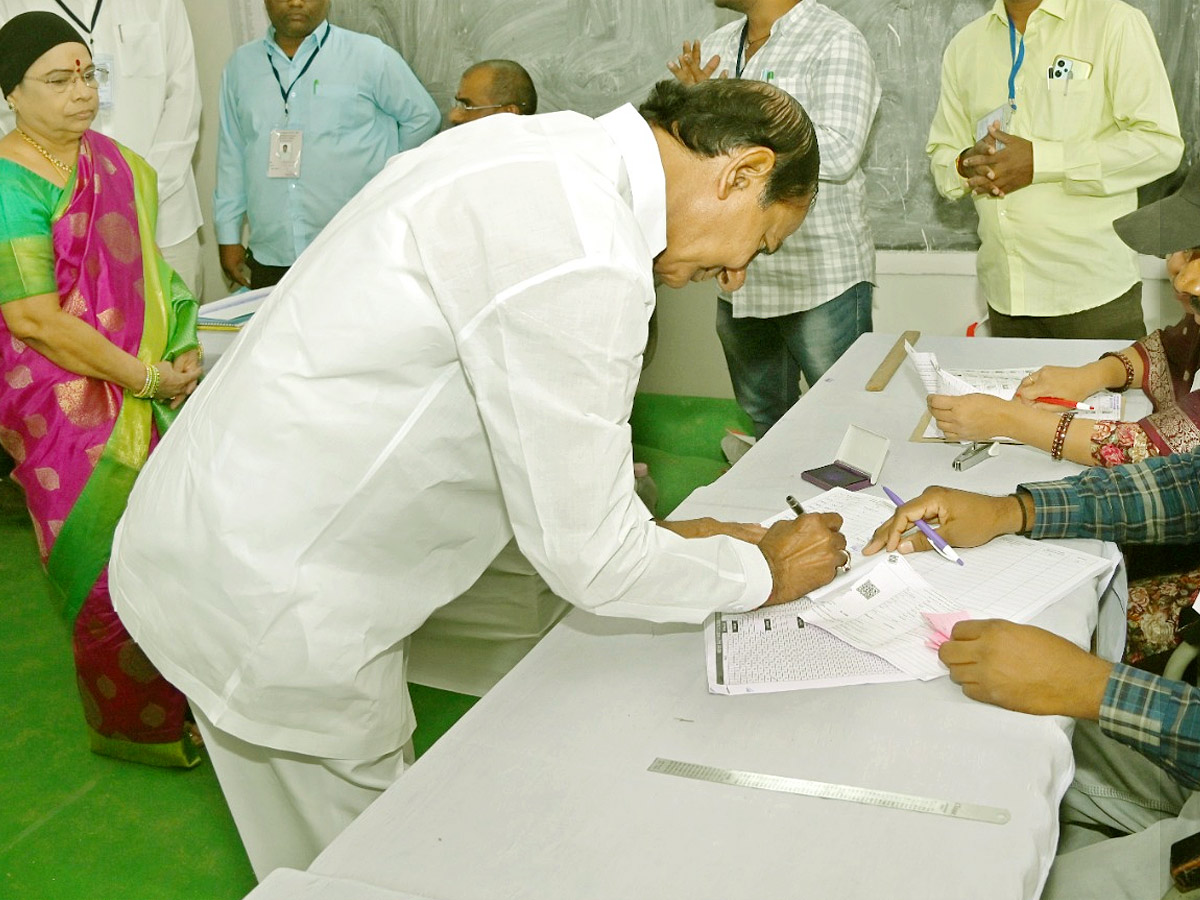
x=1069, y=404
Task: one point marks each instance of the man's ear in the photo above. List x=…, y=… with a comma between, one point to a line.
x=510, y=108
x=748, y=168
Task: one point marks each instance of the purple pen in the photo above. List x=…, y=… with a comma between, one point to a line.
x=939, y=544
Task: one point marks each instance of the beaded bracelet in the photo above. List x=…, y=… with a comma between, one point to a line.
x=1060, y=434
x=150, y=388
x=1128, y=370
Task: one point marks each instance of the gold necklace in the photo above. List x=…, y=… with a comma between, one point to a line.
x=53, y=160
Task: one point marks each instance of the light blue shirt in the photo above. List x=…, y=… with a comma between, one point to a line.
x=357, y=104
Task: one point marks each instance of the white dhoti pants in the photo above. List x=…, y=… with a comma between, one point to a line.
x=184, y=258
x=288, y=806
x=1118, y=791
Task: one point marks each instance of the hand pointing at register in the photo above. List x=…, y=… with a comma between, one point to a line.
x=963, y=520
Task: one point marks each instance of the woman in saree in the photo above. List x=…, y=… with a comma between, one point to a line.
x=98, y=348
x=1164, y=365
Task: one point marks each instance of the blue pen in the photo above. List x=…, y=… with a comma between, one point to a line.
x=943, y=549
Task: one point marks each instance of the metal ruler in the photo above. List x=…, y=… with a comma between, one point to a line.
x=993, y=815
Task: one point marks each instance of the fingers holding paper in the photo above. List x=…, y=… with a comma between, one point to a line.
x=1024, y=668
x=970, y=417
x=963, y=519
x=803, y=554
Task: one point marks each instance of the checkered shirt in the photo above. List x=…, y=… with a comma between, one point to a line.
x=1158, y=718
x=1152, y=502
x=1156, y=501
x=824, y=62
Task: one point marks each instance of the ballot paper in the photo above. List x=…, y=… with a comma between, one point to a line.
x=884, y=613
x=1002, y=383
x=788, y=646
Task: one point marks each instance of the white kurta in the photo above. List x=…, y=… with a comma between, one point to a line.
x=450, y=364
x=147, y=44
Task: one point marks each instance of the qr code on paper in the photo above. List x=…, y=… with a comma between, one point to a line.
x=867, y=589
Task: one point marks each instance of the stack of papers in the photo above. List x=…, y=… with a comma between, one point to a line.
x=231, y=312
x=868, y=625
x=1002, y=383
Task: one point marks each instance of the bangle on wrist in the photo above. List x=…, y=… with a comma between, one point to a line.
x=1024, y=514
x=1124, y=361
x=1060, y=434
x=150, y=387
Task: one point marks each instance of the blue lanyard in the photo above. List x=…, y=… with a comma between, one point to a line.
x=1017, y=60
x=279, y=81
x=740, y=66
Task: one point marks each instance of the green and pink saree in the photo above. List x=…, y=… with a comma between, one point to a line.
x=79, y=442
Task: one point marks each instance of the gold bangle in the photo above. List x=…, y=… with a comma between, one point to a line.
x=150, y=388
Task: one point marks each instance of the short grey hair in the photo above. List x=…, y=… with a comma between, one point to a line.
x=721, y=115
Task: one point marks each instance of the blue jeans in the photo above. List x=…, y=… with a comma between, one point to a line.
x=766, y=356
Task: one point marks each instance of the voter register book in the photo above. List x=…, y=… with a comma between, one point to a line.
x=868, y=625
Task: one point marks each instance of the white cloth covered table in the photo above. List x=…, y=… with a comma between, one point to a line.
x=541, y=791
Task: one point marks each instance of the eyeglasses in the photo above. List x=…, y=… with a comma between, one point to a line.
x=61, y=82
x=460, y=103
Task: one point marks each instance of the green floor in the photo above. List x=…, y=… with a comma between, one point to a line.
x=76, y=826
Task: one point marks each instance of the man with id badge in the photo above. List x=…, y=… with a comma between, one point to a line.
x=309, y=114
x=1052, y=114
x=149, y=101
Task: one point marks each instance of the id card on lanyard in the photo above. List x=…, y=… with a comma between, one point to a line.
x=1003, y=114
x=284, y=156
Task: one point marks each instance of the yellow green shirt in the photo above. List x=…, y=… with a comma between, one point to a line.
x=1049, y=249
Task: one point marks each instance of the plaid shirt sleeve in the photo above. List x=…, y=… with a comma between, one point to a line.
x=1152, y=502
x=1158, y=718
x=844, y=96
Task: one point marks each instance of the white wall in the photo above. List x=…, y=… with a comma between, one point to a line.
x=212, y=33
x=934, y=293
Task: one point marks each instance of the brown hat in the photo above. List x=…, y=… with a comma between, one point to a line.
x=1167, y=225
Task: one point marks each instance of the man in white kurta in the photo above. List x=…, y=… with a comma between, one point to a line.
x=151, y=103
x=450, y=365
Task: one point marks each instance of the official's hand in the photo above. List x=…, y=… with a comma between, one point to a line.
x=974, y=163
x=687, y=68
x=965, y=520
x=971, y=417
x=1067, y=382
x=803, y=554
x=233, y=261
x=1007, y=170
x=1024, y=668
x=752, y=533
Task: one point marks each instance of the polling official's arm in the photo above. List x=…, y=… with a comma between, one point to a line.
x=230, y=197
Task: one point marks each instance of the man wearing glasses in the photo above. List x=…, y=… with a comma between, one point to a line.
x=493, y=86
x=149, y=101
